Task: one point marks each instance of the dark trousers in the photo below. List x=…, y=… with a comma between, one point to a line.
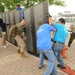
x=72, y=37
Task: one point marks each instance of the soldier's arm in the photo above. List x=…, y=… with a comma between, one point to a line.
x=23, y=35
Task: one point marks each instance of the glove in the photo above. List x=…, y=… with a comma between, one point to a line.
x=48, y=15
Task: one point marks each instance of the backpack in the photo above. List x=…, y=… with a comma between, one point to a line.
x=13, y=30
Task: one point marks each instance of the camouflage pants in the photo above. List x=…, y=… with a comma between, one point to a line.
x=21, y=43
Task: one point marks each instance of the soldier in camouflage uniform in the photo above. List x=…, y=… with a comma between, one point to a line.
x=19, y=40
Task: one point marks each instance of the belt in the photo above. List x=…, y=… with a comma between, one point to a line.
x=58, y=42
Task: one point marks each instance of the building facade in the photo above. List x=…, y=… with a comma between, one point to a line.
x=68, y=16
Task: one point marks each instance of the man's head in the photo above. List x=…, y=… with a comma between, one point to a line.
x=23, y=23
x=17, y=6
x=62, y=21
x=40, y=23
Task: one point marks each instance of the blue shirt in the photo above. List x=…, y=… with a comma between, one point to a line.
x=22, y=11
x=61, y=33
x=44, y=37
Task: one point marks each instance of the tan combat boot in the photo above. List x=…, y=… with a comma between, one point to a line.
x=23, y=55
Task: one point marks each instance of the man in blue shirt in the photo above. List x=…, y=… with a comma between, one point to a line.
x=59, y=39
x=44, y=45
x=19, y=8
